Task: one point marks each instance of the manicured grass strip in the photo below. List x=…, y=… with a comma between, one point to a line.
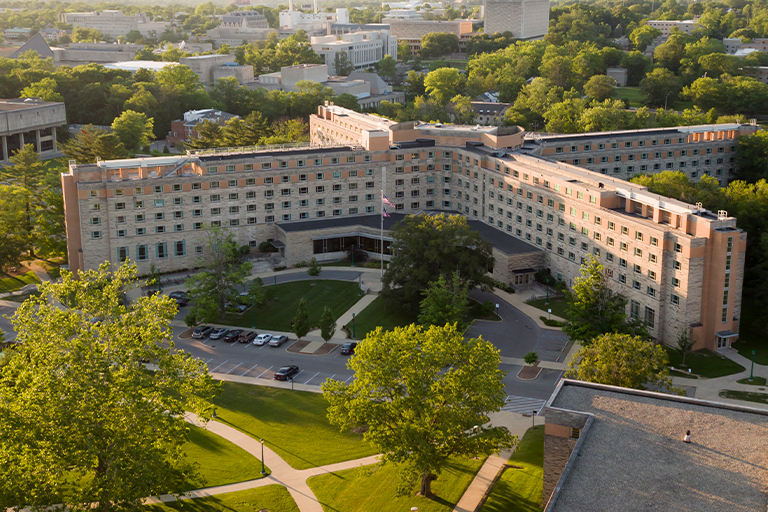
x=277, y=316
x=11, y=284
x=219, y=461
x=748, y=396
x=753, y=334
x=704, y=363
x=632, y=94
x=375, y=315
x=274, y=498
x=557, y=305
x=520, y=489
x=683, y=375
x=372, y=489
x=293, y=424
x=757, y=381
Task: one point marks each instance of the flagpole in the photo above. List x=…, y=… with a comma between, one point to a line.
x=383, y=183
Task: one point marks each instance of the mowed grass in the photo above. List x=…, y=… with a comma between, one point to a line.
x=292, y=423
x=520, y=490
x=277, y=316
x=11, y=284
x=372, y=488
x=632, y=94
x=376, y=315
x=747, y=396
x=219, y=461
x=274, y=498
x=753, y=334
x=704, y=363
x=558, y=306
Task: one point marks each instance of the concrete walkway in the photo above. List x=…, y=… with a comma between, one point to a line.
x=39, y=271
x=281, y=472
x=517, y=300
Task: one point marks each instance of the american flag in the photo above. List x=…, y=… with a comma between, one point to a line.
x=386, y=201
x=384, y=212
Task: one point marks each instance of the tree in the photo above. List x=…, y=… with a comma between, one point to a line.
x=86, y=35
x=463, y=113
x=685, y=343
x=327, y=324
x=91, y=143
x=643, y=36
x=531, y=358
x=347, y=100
x=133, y=129
x=594, y=309
x=404, y=51
x=301, y=320
x=387, y=67
x=75, y=402
x=621, y=360
x=13, y=241
x=426, y=247
x=600, y=87
x=256, y=294
x=414, y=83
x=660, y=87
x=422, y=394
x=438, y=44
x=45, y=89
x=222, y=271
x=314, y=268
x=444, y=302
x=28, y=173
x=752, y=157
x=342, y=64
x=443, y=84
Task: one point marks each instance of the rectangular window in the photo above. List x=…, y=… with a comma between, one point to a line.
x=162, y=250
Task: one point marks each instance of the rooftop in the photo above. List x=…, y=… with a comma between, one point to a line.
x=135, y=65
x=557, y=138
x=632, y=458
x=24, y=103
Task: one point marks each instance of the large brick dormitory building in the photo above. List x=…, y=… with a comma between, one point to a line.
x=680, y=266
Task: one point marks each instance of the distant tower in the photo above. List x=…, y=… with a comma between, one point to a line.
x=526, y=19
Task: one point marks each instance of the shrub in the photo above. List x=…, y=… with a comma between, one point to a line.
x=488, y=308
x=375, y=264
x=531, y=357
x=277, y=269
x=301, y=264
x=551, y=323
x=267, y=247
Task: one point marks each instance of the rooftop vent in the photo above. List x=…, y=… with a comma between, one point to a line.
x=722, y=214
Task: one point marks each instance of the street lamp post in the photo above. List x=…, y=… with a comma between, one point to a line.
x=275, y=286
x=547, y=301
x=360, y=284
x=253, y=324
x=353, y=326
x=752, y=370
x=497, y=312
x=263, y=472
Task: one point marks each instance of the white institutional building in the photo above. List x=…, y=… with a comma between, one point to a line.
x=526, y=19
x=364, y=48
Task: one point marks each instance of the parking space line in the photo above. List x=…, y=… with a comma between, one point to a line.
x=300, y=372
x=230, y=371
x=332, y=376
x=349, y=378
x=218, y=366
x=211, y=359
x=249, y=369
x=265, y=371
x=315, y=375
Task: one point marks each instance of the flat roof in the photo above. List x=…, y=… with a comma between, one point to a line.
x=633, y=133
x=22, y=104
x=505, y=243
x=135, y=65
x=632, y=457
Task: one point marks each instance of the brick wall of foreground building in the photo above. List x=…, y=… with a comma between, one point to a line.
x=679, y=266
x=695, y=150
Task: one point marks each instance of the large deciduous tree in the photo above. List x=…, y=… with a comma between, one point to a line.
x=133, y=129
x=443, y=84
x=661, y=87
x=424, y=396
x=342, y=64
x=426, y=247
x=92, y=143
x=28, y=173
x=222, y=272
x=83, y=423
x=622, y=360
x=445, y=302
x=13, y=241
x=595, y=309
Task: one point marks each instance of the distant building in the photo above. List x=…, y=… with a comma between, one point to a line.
x=314, y=23
x=235, y=35
x=402, y=14
x=17, y=34
x=183, y=130
x=488, y=97
x=618, y=74
x=411, y=31
x=734, y=46
x=30, y=121
x=489, y=114
x=135, y=65
x=97, y=53
x=51, y=34
x=364, y=49
x=212, y=67
x=666, y=26
x=525, y=19
x=36, y=44
x=113, y=23
x=251, y=19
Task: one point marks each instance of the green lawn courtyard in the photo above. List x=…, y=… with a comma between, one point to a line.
x=372, y=488
x=520, y=488
x=632, y=94
x=274, y=498
x=558, y=306
x=704, y=363
x=11, y=284
x=377, y=315
x=277, y=316
x=292, y=423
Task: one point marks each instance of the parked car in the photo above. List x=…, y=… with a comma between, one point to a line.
x=262, y=339
x=181, y=301
x=219, y=332
x=286, y=372
x=276, y=341
x=247, y=337
x=233, y=335
x=202, y=332
x=179, y=295
x=241, y=308
x=348, y=348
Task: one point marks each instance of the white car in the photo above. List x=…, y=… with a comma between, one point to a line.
x=262, y=339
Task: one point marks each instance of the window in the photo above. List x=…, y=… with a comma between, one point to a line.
x=674, y=299
x=141, y=231
x=650, y=317
x=159, y=229
x=121, y=232
x=675, y=282
x=178, y=227
x=636, y=285
x=622, y=279
x=162, y=250
x=212, y=170
x=678, y=248
x=180, y=248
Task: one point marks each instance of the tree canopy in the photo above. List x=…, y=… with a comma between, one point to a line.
x=77, y=405
x=424, y=396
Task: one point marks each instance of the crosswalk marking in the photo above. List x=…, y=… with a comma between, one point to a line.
x=523, y=405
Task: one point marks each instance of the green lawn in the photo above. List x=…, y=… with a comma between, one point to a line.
x=632, y=94
x=219, y=461
x=753, y=334
x=375, y=315
x=274, y=498
x=277, y=316
x=520, y=490
x=704, y=363
x=372, y=489
x=557, y=305
x=293, y=424
x=757, y=381
x=11, y=284
x=747, y=396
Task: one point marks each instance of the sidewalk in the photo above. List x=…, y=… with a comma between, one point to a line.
x=517, y=300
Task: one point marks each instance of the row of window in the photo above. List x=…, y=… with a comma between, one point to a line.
x=213, y=169
x=640, y=144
